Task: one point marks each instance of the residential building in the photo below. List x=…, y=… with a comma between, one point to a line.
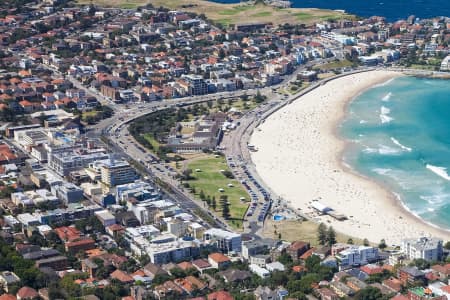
x=105, y=217
x=139, y=190
x=224, y=241
x=261, y=272
x=8, y=278
x=296, y=249
x=409, y=275
x=356, y=256
x=57, y=263
x=68, y=193
x=81, y=245
x=218, y=260
x=115, y=172
x=425, y=248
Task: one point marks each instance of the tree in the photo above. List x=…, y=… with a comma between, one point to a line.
x=322, y=234
x=366, y=242
x=447, y=245
x=285, y=259
x=369, y=293
x=213, y=203
x=331, y=236
x=225, y=206
x=420, y=263
x=382, y=245
x=350, y=241
x=259, y=98
x=226, y=211
x=187, y=174
x=202, y=195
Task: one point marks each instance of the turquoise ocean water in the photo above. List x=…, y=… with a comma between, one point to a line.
x=400, y=137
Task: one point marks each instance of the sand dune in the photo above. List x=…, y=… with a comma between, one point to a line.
x=300, y=159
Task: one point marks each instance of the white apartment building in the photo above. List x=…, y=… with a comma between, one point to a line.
x=425, y=248
x=225, y=241
x=445, y=65
x=356, y=256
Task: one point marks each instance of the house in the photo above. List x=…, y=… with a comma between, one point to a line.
x=327, y=294
x=122, y=276
x=409, y=275
x=185, y=265
x=201, y=265
x=355, y=284
x=265, y=293
x=261, y=272
x=167, y=289
x=220, y=295
x=441, y=271
x=218, y=260
x=81, y=245
x=27, y=293
x=400, y=297
x=7, y=279
x=393, y=284
x=341, y=289
x=190, y=284
x=296, y=249
x=152, y=270
x=233, y=275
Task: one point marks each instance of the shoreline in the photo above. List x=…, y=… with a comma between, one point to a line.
x=312, y=160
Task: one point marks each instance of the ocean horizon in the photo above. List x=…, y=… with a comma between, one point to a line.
x=398, y=136
x=393, y=10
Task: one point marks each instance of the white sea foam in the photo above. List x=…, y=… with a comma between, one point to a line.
x=395, y=141
x=370, y=150
x=386, y=150
x=381, y=171
x=362, y=122
x=435, y=199
x=387, y=97
x=384, y=115
x=382, y=150
x=440, y=171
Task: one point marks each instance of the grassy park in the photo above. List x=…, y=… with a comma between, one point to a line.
x=210, y=179
x=293, y=230
x=227, y=14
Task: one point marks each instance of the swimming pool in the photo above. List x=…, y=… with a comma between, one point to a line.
x=278, y=218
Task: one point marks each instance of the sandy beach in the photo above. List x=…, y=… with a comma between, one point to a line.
x=300, y=158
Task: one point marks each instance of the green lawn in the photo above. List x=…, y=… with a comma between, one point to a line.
x=262, y=14
x=210, y=180
x=235, y=10
x=335, y=65
x=149, y=137
x=225, y=22
x=303, y=16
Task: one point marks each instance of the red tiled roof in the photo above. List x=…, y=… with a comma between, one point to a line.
x=121, y=276
x=201, y=263
x=7, y=297
x=400, y=297
x=27, y=293
x=220, y=295
x=218, y=257
x=67, y=233
x=185, y=265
